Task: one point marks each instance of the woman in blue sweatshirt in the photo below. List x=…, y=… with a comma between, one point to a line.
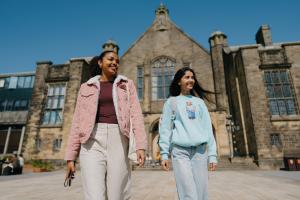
x=186, y=135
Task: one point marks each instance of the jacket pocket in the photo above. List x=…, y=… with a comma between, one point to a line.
x=87, y=93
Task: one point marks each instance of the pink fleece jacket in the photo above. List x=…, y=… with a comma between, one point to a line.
x=86, y=109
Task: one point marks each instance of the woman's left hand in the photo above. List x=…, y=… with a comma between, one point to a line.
x=212, y=166
x=140, y=157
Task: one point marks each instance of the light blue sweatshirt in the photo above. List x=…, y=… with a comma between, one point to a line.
x=192, y=126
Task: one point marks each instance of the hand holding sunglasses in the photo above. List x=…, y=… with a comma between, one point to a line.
x=70, y=173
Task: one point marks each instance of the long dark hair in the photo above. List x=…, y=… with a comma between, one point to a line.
x=197, y=89
x=94, y=67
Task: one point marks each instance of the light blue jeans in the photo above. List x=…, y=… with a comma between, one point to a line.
x=191, y=173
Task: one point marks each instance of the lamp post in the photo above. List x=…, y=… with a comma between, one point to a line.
x=232, y=129
x=229, y=131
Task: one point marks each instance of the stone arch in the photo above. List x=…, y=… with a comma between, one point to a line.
x=154, y=148
x=163, y=57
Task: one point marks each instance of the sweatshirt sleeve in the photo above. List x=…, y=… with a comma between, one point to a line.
x=211, y=143
x=165, y=131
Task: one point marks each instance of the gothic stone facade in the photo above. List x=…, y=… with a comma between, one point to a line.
x=245, y=126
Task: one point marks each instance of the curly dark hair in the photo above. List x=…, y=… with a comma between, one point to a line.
x=94, y=67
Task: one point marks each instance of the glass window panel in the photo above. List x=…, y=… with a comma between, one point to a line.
x=171, y=78
x=59, y=90
x=61, y=102
x=46, y=117
x=270, y=92
x=156, y=64
x=52, y=117
x=13, y=82
x=38, y=144
x=50, y=91
x=27, y=82
x=24, y=104
x=267, y=77
x=284, y=77
x=32, y=81
x=56, y=90
x=282, y=108
x=167, y=81
x=287, y=91
x=20, y=83
x=2, y=82
x=57, y=144
x=291, y=110
x=274, y=107
x=169, y=63
x=154, y=71
x=161, y=93
x=49, y=102
x=159, y=71
x=140, y=93
x=9, y=105
x=166, y=92
x=154, y=93
x=55, y=102
x=275, y=139
x=7, y=80
x=278, y=91
x=275, y=77
x=17, y=105
x=160, y=81
x=140, y=82
x=58, y=117
x=63, y=90
x=3, y=105
x=154, y=81
x=140, y=71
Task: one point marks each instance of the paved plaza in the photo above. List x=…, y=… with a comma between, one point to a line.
x=156, y=185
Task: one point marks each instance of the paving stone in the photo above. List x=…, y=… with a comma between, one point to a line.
x=160, y=185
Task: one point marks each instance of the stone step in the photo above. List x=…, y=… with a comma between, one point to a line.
x=239, y=163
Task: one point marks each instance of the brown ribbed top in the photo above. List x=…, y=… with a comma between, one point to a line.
x=106, y=111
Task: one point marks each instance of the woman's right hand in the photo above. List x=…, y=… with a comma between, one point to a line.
x=70, y=167
x=165, y=165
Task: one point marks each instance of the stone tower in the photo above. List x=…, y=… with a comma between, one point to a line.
x=218, y=41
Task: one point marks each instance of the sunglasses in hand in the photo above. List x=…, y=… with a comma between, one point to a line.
x=68, y=180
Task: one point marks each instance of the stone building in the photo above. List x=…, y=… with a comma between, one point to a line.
x=51, y=108
x=263, y=90
x=256, y=103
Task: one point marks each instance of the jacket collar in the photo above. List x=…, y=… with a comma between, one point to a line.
x=95, y=80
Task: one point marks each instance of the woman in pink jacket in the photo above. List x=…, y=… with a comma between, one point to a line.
x=100, y=130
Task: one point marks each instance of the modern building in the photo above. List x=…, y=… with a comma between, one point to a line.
x=15, y=96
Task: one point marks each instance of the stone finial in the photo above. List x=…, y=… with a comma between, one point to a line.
x=162, y=10
x=216, y=38
x=263, y=35
x=162, y=18
x=109, y=46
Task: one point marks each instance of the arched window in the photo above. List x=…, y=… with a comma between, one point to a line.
x=163, y=69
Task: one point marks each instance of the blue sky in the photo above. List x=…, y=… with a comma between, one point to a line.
x=57, y=30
